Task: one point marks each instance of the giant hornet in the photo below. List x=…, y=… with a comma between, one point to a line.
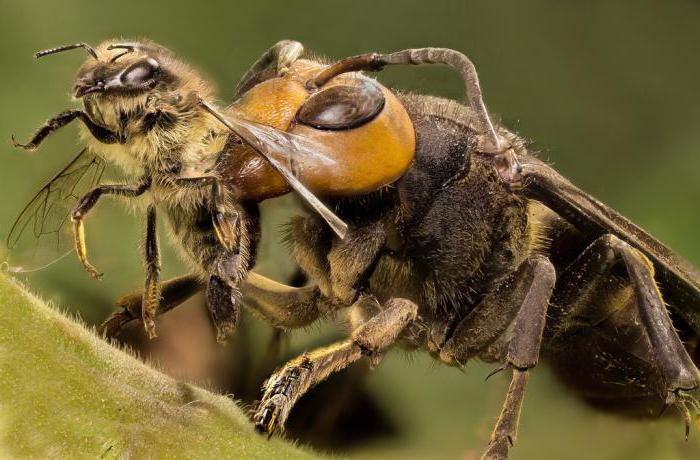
x=431, y=227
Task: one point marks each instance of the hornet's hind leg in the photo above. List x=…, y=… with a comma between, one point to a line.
x=633, y=358
x=518, y=305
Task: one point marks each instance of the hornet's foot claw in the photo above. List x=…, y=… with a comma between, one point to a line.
x=689, y=408
x=266, y=419
x=281, y=393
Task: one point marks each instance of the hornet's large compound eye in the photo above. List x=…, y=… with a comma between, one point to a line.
x=342, y=106
x=140, y=73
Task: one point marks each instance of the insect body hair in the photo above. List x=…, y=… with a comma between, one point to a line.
x=162, y=132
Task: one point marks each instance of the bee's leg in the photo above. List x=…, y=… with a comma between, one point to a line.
x=287, y=385
x=587, y=276
x=522, y=300
x=223, y=301
x=173, y=292
x=225, y=219
x=58, y=121
x=151, y=292
x=228, y=268
x=86, y=203
x=280, y=56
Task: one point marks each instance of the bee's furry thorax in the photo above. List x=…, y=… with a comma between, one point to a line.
x=161, y=132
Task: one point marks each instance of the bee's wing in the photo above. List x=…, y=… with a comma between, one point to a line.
x=680, y=282
x=286, y=153
x=41, y=234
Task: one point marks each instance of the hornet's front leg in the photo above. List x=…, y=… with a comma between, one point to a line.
x=86, y=203
x=100, y=133
x=280, y=56
x=282, y=306
x=171, y=293
x=372, y=338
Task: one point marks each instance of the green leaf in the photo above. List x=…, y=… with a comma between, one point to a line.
x=66, y=393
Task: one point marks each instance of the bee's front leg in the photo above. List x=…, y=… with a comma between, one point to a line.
x=225, y=218
x=100, y=133
x=85, y=205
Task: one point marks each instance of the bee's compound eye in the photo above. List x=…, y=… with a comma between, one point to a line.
x=140, y=73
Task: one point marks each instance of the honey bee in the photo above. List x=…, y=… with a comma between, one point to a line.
x=443, y=231
x=144, y=110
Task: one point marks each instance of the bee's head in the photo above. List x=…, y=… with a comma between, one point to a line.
x=129, y=69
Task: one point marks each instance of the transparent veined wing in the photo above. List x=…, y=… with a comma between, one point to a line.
x=42, y=234
x=286, y=153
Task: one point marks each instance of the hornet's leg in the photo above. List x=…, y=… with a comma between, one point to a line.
x=173, y=292
x=86, y=203
x=521, y=299
x=282, y=306
x=340, y=268
x=311, y=243
x=100, y=133
x=287, y=385
x=586, y=278
x=489, y=141
x=280, y=56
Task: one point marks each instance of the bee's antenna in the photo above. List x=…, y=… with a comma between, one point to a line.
x=90, y=50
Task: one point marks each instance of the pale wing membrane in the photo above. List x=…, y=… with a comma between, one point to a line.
x=286, y=153
x=280, y=147
x=680, y=282
x=41, y=235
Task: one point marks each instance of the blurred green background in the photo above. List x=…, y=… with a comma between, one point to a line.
x=608, y=91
